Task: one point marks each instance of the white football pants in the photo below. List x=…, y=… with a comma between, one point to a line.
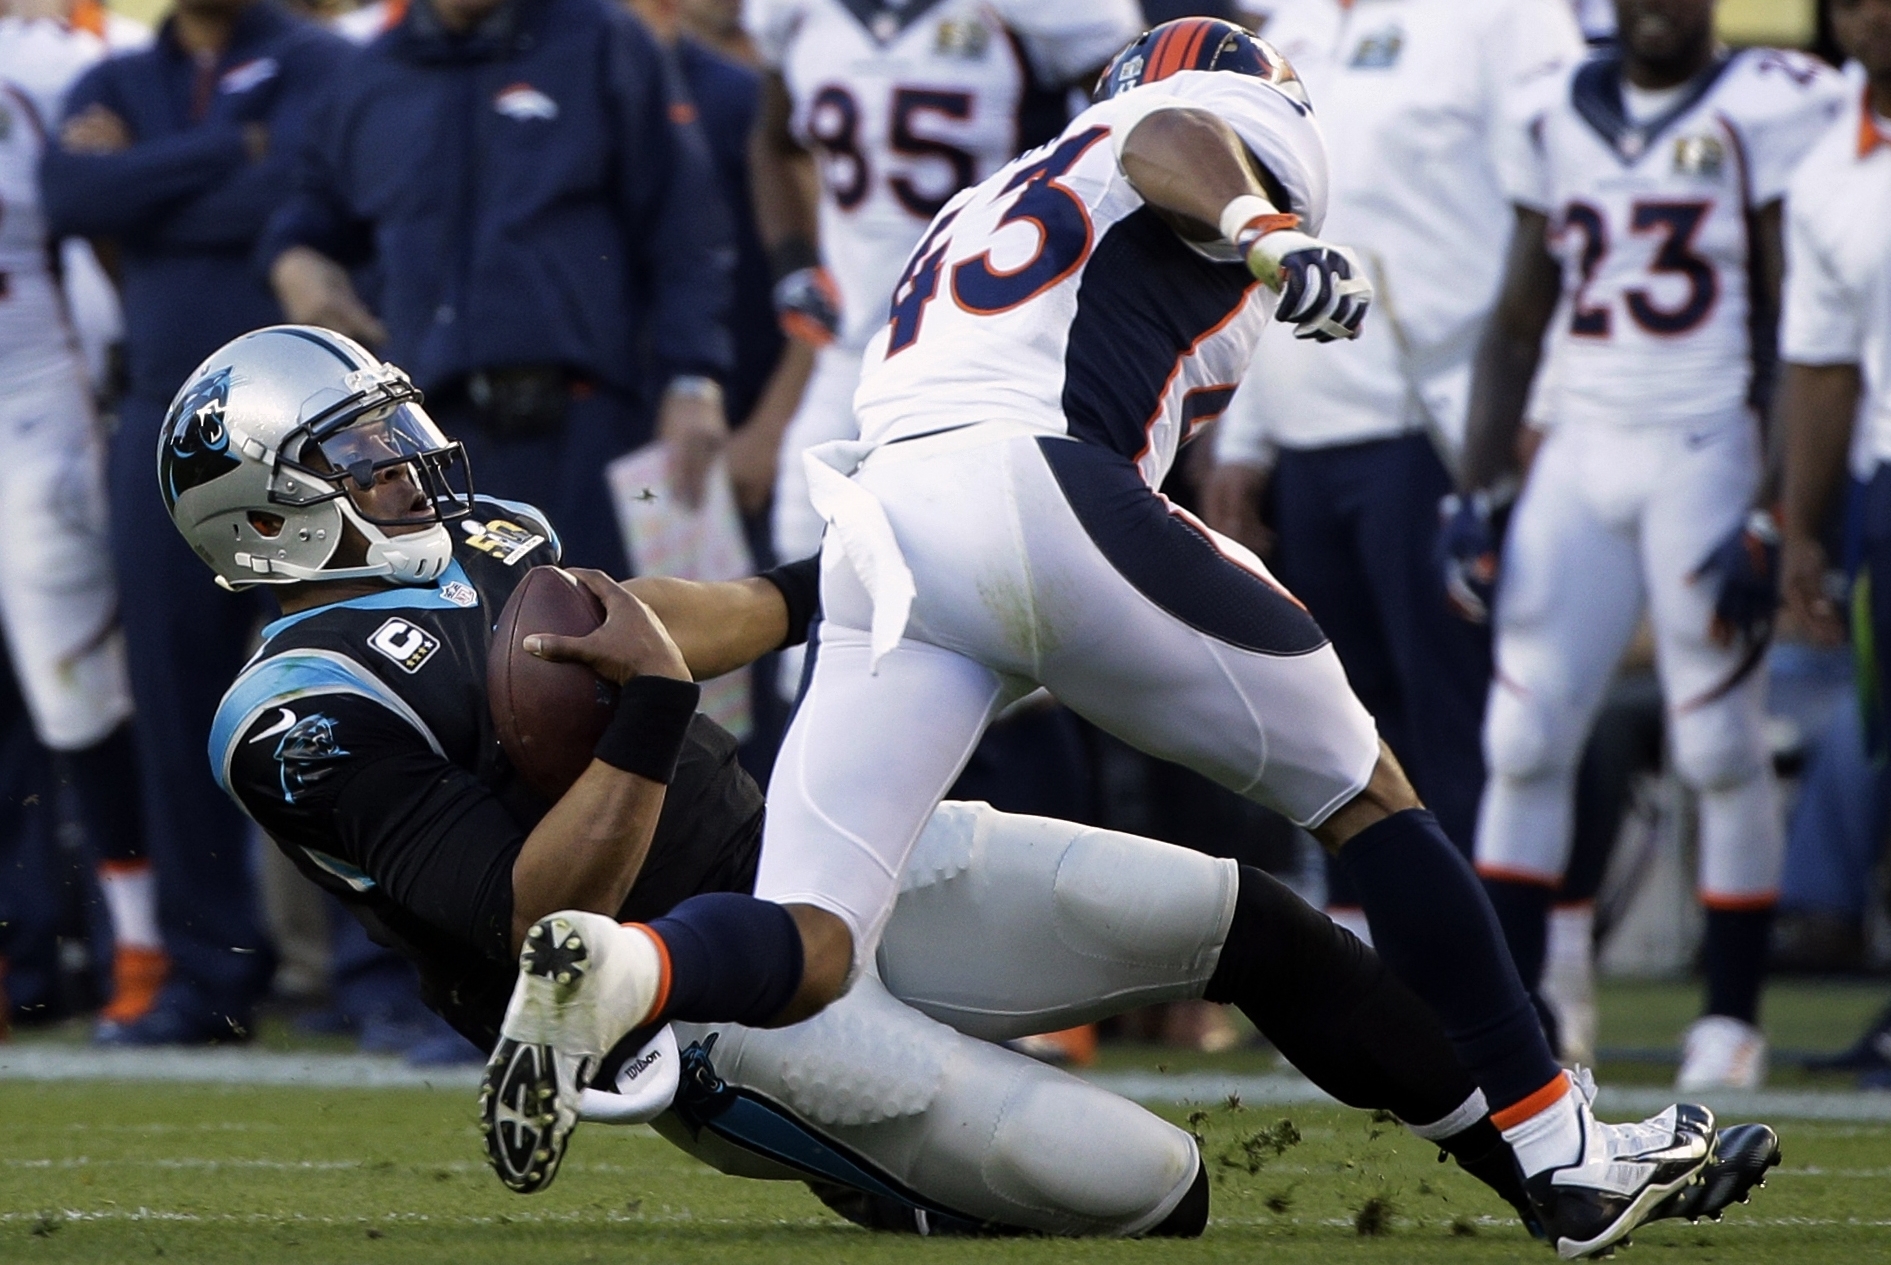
x=1614, y=521
x=826, y=412
x=58, y=597
x=1005, y=926
x=1022, y=551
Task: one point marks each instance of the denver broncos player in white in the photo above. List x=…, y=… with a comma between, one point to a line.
x=901, y=106
x=58, y=597
x=1647, y=186
x=1053, y=338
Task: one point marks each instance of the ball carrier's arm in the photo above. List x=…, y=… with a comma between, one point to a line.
x=588, y=850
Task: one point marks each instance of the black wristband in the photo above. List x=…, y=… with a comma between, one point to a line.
x=791, y=255
x=646, y=734
x=800, y=585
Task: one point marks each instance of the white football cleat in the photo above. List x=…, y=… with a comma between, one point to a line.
x=1721, y=1052
x=585, y=981
x=1624, y=1175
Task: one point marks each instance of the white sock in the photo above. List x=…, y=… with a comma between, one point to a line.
x=131, y=897
x=1552, y=1138
x=1469, y=1112
x=1353, y=918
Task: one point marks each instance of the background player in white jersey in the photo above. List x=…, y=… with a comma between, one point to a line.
x=1056, y=334
x=1648, y=185
x=58, y=598
x=901, y=106
x=1359, y=441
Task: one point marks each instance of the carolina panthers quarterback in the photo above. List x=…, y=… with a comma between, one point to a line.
x=361, y=739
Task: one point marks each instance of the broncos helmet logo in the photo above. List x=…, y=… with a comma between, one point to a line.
x=194, y=446
x=1200, y=44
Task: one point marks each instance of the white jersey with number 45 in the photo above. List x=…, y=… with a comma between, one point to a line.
x=1052, y=296
x=906, y=104
x=1653, y=220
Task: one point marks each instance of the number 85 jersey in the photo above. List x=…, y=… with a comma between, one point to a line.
x=905, y=104
x=1653, y=222
x=1054, y=297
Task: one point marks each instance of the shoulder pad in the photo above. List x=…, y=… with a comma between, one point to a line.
x=279, y=680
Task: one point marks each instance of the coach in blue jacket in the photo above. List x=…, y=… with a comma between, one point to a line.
x=178, y=155
x=550, y=251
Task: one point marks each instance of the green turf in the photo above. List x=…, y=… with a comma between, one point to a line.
x=115, y=1173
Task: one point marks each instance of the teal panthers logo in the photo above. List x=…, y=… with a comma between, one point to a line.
x=194, y=446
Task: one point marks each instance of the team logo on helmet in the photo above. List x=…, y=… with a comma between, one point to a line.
x=195, y=444
x=1200, y=44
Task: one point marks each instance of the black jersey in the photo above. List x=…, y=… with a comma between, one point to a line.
x=359, y=738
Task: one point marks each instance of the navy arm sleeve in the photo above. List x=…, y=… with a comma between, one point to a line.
x=364, y=796
x=231, y=213
x=675, y=218
x=110, y=194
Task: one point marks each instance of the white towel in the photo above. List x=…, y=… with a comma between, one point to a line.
x=857, y=523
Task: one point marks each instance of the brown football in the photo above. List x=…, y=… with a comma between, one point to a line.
x=549, y=715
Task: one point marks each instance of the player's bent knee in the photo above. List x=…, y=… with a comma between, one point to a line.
x=1715, y=751
x=1525, y=740
x=1075, y=1158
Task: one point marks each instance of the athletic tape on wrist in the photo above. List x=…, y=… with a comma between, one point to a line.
x=1250, y=217
x=646, y=734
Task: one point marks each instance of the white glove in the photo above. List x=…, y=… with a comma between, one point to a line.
x=1323, y=291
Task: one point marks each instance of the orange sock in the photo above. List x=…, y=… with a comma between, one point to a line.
x=137, y=975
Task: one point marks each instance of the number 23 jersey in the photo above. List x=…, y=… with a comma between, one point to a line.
x=1652, y=222
x=1052, y=296
x=904, y=105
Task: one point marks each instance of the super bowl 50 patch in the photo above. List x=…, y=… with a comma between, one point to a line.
x=503, y=539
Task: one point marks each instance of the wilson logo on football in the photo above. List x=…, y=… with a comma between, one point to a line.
x=523, y=101
x=406, y=645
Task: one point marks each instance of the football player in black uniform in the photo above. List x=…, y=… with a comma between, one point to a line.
x=361, y=739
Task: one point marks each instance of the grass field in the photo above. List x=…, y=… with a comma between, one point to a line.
x=120, y=1172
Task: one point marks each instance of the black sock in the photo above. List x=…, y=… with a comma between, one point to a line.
x=103, y=779
x=1734, y=957
x=733, y=959
x=1331, y=1008
x=1435, y=929
x=1523, y=911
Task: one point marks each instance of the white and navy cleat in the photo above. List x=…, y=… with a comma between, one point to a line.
x=585, y=980
x=1625, y=1174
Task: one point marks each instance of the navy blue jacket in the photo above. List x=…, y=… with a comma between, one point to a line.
x=729, y=94
x=536, y=191
x=185, y=203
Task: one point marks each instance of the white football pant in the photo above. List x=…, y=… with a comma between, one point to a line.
x=58, y=597
x=1005, y=926
x=1614, y=521
x=1020, y=549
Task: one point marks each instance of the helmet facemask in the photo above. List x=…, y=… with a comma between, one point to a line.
x=377, y=440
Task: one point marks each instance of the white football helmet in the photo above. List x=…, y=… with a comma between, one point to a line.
x=260, y=447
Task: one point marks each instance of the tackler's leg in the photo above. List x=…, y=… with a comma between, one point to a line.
x=1178, y=641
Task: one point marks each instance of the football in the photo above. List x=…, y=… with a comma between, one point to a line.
x=549, y=715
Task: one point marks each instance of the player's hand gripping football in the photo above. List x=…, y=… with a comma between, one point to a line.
x=1747, y=562
x=807, y=304
x=1323, y=291
x=1467, y=552
x=631, y=641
